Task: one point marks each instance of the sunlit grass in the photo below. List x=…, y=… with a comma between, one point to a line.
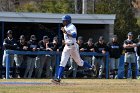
x=72, y=86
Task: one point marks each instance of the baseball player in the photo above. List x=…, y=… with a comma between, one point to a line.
x=98, y=61
x=9, y=44
x=19, y=59
x=31, y=59
x=115, y=51
x=70, y=49
x=129, y=57
x=43, y=60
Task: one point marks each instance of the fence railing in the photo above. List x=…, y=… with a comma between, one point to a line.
x=57, y=54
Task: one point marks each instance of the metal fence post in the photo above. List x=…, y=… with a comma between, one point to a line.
x=57, y=64
x=107, y=65
x=7, y=65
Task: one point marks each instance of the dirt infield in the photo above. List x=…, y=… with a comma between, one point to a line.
x=70, y=86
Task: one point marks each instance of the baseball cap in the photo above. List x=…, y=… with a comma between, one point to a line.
x=80, y=38
x=101, y=38
x=33, y=37
x=130, y=34
x=22, y=37
x=46, y=37
x=9, y=32
x=55, y=38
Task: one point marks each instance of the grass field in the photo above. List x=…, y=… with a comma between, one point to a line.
x=70, y=86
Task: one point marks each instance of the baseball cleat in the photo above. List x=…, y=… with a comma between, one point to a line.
x=56, y=81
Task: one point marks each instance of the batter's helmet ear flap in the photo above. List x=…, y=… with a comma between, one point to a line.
x=66, y=17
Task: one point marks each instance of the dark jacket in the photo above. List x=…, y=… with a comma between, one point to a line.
x=21, y=45
x=42, y=46
x=100, y=47
x=115, y=49
x=32, y=44
x=129, y=49
x=87, y=47
x=54, y=47
x=10, y=44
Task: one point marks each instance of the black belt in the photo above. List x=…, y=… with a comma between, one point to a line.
x=70, y=44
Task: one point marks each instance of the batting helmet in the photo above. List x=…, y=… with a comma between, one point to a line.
x=66, y=17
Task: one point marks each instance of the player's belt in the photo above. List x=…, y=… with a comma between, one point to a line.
x=70, y=44
x=129, y=52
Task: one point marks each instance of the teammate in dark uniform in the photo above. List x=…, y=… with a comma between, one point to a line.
x=129, y=58
x=43, y=60
x=101, y=47
x=9, y=44
x=80, y=42
x=89, y=47
x=115, y=51
x=19, y=59
x=31, y=59
x=54, y=46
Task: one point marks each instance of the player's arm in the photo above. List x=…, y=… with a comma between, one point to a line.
x=126, y=45
x=73, y=34
x=129, y=45
x=133, y=45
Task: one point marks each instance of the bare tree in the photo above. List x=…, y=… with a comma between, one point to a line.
x=84, y=6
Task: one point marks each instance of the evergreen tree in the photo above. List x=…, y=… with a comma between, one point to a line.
x=125, y=18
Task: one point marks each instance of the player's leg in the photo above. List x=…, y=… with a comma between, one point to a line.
x=64, y=58
x=37, y=66
x=27, y=67
x=76, y=56
x=18, y=60
x=53, y=65
x=41, y=59
x=112, y=67
x=101, y=68
x=12, y=66
x=133, y=66
x=117, y=61
x=73, y=68
x=31, y=67
x=126, y=64
x=95, y=64
x=48, y=65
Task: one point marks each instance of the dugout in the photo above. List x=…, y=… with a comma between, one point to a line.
x=88, y=25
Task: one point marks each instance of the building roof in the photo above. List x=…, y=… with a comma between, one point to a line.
x=56, y=18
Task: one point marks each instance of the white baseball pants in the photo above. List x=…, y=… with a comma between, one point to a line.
x=73, y=52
